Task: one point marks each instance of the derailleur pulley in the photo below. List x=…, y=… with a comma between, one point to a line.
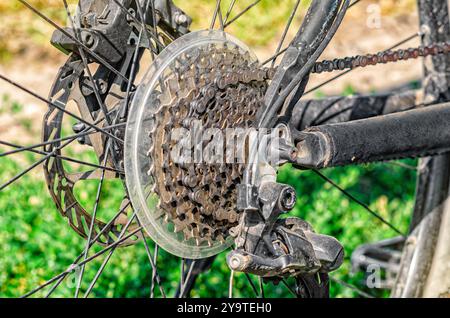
x=272, y=247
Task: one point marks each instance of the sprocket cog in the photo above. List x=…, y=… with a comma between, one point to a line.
x=203, y=82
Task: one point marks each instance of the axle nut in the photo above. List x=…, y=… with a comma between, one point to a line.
x=237, y=261
x=288, y=198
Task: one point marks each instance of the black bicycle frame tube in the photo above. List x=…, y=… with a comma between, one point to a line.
x=308, y=41
x=338, y=109
x=414, y=133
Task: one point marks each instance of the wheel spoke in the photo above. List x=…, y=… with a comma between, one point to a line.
x=54, y=141
x=317, y=122
x=186, y=279
x=93, y=218
x=59, y=107
x=154, y=273
x=350, y=286
x=365, y=206
x=39, y=152
x=102, y=231
x=324, y=110
x=89, y=259
x=217, y=12
x=108, y=257
x=289, y=288
x=274, y=56
x=286, y=29
x=34, y=165
x=255, y=290
x=182, y=269
x=241, y=13
x=402, y=165
x=230, y=8
x=261, y=287
x=355, y=2
x=153, y=266
x=334, y=115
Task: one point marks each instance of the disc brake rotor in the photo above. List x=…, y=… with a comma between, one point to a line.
x=205, y=79
x=61, y=179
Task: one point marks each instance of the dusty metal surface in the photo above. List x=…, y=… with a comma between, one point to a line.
x=395, y=136
x=331, y=110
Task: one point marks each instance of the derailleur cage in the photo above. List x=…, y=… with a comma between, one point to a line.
x=272, y=247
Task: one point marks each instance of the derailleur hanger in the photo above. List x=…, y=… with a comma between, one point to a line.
x=272, y=247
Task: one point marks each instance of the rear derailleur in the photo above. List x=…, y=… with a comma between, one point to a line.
x=269, y=246
x=276, y=248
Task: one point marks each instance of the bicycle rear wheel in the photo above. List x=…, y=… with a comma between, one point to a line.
x=98, y=115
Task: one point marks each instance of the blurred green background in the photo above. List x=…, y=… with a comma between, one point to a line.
x=36, y=243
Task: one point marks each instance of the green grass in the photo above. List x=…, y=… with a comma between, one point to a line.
x=9, y=106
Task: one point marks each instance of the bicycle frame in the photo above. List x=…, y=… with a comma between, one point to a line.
x=368, y=132
x=413, y=133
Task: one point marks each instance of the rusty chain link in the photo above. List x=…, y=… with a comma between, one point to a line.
x=383, y=57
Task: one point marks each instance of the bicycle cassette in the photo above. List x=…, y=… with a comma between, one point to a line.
x=184, y=192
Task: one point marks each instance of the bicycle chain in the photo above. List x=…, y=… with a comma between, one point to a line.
x=384, y=57
x=222, y=88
